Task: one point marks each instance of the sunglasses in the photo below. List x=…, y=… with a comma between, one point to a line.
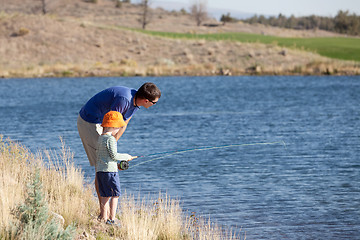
x=152, y=102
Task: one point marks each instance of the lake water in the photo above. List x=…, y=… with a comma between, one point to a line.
x=309, y=189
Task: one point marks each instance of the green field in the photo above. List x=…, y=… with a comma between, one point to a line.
x=345, y=48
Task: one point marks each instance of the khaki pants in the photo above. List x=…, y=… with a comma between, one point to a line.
x=89, y=134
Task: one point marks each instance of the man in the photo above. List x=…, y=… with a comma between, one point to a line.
x=121, y=99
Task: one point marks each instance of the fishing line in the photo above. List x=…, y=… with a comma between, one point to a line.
x=170, y=153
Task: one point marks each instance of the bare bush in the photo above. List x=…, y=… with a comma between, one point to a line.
x=145, y=13
x=48, y=5
x=198, y=11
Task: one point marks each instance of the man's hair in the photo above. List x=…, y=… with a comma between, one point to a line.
x=148, y=91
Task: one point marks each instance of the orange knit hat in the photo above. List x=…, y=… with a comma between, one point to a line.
x=113, y=119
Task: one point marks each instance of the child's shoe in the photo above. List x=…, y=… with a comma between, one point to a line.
x=112, y=222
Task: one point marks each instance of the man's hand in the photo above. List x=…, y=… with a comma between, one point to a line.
x=121, y=130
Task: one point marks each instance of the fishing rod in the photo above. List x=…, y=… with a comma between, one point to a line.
x=170, y=153
x=210, y=147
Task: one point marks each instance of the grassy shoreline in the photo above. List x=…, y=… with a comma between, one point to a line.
x=98, y=69
x=71, y=200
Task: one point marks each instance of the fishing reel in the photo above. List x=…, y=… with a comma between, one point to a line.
x=123, y=165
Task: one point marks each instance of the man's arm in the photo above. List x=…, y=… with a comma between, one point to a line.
x=121, y=130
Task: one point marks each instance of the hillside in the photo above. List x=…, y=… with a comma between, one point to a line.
x=76, y=38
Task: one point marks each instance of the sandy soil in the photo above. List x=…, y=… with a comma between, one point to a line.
x=83, y=39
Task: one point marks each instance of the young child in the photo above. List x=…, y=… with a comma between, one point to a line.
x=107, y=166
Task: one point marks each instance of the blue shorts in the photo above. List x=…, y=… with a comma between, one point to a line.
x=109, y=184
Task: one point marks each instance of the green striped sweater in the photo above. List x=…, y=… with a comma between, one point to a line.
x=107, y=155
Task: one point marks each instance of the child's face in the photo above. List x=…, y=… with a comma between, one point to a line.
x=115, y=131
x=111, y=130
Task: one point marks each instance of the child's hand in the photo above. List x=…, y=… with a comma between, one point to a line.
x=132, y=158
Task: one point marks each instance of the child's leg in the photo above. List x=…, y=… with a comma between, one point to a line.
x=97, y=188
x=113, y=207
x=104, y=207
x=98, y=194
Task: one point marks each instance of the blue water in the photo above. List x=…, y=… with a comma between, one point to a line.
x=309, y=189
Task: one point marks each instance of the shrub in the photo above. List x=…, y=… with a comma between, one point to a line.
x=92, y=1
x=21, y=32
x=35, y=222
x=118, y=3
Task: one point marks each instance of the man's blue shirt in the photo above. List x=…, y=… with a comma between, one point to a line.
x=119, y=99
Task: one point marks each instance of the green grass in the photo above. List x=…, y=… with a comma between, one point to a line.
x=345, y=48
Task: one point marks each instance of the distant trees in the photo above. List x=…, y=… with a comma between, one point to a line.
x=227, y=18
x=343, y=22
x=198, y=11
x=183, y=11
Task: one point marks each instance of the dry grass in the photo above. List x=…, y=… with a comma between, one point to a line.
x=67, y=194
x=163, y=218
x=151, y=220
x=63, y=184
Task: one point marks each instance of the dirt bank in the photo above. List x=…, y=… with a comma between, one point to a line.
x=82, y=39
